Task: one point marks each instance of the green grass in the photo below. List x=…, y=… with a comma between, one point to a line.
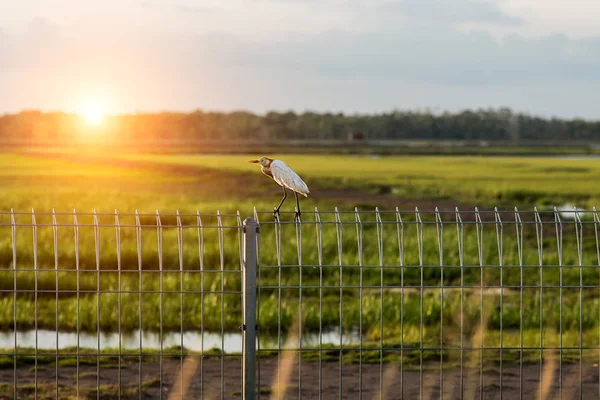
x=491, y=180
x=129, y=182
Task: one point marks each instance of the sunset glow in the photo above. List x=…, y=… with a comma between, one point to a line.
x=93, y=115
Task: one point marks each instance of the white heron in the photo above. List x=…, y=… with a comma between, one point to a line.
x=285, y=177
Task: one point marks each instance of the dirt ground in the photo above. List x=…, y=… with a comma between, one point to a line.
x=203, y=380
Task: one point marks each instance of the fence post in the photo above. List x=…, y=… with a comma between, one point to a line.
x=249, y=310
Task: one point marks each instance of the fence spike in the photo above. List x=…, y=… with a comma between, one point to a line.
x=34, y=228
x=159, y=240
x=499, y=236
x=460, y=237
x=439, y=226
x=179, y=241
x=256, y=217
x=596, y=223
x=579, y=234
x=55, y=238
x=419, y=226
x=359, y=236
x=558, y=226
x=200, y=242
x=118, y=238
x=379, y=224
x=339, y=232
x=479, y=227
x=76, y=237
x=319, y=226
x=400, y=234
x=13, y=225
x=539, y=234
x=240, y=236
x=519, y=233
x=298, y=226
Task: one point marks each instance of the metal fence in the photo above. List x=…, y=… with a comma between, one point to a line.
x=360, y=304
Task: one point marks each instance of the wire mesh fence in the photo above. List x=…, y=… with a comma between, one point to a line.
x=342, y=304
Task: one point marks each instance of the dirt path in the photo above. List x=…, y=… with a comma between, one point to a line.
x=204, y=380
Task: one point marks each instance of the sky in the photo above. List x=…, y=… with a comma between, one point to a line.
x=536, y=56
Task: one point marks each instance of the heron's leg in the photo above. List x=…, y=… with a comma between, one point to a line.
x=276, y=210
x=298, y=213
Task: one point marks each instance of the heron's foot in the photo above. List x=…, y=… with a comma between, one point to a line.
x=276, y=214
x=298, y=216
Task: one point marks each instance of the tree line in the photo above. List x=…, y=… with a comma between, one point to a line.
x=487, y=125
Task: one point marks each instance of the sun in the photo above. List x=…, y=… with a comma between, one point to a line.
x=93, y=114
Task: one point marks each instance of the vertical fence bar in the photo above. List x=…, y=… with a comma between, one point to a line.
x=319, y=228
x=400, y=235
x=159, y=240
x=138, y=242
x=460, y=236
x=202, y=273
x=55, y=241
x=221, y=234
x=419, y=226
x=559, y=240
x=579, y=235
x=596, y=222
x=479, y=230
x=76, y=238
x=35, y=268
x=539, y=234
x=13, y=225
x=279, y=272
x=439, y=224
x=119, y=296
x=180, y=259
x=339, y=236
x=379, y=227
x=519, y=233
x=97, y=254
x=359, y=242
x=500, y=242
x=299, y=248
x=241, y=225
x=249, y=307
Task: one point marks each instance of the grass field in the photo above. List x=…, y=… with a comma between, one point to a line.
x=64, y=180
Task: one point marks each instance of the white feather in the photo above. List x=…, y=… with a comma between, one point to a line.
x=287, y=178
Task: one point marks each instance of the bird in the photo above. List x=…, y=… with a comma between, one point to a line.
x=286, y=178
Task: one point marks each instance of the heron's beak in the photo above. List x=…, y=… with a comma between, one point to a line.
x=253, y=161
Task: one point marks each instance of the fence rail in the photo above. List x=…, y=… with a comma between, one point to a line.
x=343, y=304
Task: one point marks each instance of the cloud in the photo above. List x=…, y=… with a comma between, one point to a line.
x=450, y=12
x=148, y=4
x=438, y=55
x=416, y=64
x=193, y=9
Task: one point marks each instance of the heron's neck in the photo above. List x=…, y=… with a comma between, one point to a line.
x=266, y=171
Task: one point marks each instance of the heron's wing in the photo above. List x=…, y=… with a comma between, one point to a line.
x=286, y=177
